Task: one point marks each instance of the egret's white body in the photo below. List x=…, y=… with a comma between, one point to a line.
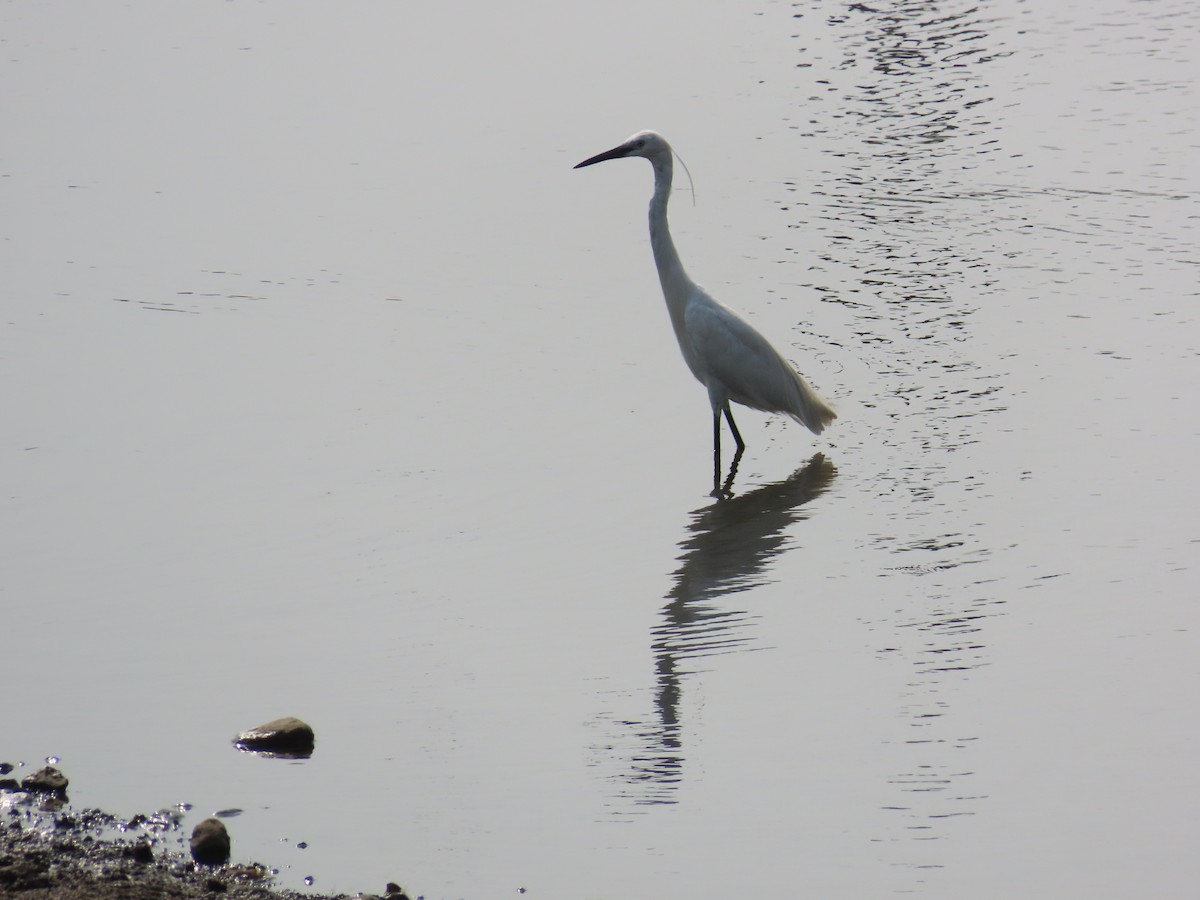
x=726, y=354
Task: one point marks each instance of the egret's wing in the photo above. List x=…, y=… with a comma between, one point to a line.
x=745, y=368
x=738, y=357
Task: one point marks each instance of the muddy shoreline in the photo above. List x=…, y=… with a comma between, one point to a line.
x=68, y=854
x=49, y=849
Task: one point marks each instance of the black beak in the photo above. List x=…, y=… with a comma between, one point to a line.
x=614, y=153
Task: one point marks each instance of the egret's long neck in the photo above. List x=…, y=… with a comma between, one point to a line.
x=674, y=279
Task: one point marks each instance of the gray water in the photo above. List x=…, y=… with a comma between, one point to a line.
x=330, y=389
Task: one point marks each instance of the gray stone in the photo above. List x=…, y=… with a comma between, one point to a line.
x=288, y=736
x=47, y=780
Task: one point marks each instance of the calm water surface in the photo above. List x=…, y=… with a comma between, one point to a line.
x=330, y=390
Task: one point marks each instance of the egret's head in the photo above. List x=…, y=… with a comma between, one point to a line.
x=649, y=144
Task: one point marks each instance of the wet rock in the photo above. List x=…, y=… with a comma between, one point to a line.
x=393, y=891
x=251, y=872
x=141, y=852
x=47, y=780
x=287, y=737
x=210, y=842
x=9, y=784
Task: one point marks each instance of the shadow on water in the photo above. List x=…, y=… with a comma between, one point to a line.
x=729, y=547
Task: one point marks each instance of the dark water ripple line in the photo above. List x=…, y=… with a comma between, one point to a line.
x=907, y=117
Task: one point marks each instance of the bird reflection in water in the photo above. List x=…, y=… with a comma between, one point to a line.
x=725, y=490
x=730, y=544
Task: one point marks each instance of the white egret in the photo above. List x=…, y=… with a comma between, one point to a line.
x=725, y=353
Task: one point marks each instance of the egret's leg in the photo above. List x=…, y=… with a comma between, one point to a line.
x=736, y=436
x=716, y=451
x=725, y=491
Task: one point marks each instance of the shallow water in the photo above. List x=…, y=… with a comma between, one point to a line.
x=331, y=390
